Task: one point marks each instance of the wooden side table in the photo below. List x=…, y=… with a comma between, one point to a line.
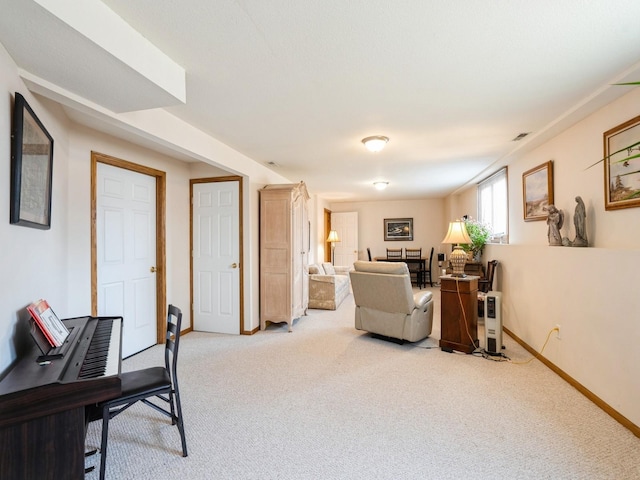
x=455, y=321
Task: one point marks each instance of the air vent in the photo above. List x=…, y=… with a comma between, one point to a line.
x=520, y=137
x=272, y=164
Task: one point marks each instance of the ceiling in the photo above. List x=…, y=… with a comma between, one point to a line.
x=296, y=84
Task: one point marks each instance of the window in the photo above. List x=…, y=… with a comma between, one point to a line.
x=493, y=208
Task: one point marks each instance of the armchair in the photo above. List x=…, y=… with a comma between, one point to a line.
x=386, y=304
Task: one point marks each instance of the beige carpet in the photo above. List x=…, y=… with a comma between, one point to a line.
x=329, y=402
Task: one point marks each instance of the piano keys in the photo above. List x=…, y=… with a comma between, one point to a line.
x=42, y=403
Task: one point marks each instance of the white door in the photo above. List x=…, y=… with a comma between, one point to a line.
x=126, y=253
x=216, y=257
x=346, y=224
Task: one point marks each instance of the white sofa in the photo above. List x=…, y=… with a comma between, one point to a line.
x=386, y=304
x=328, y=285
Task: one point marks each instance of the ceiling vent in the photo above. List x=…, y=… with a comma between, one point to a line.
x=520, y=137
x=272, y=164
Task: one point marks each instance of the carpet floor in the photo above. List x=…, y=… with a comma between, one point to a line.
x=330, y=402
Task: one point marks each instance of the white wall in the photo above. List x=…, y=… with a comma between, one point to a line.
x=34, y=262
x=429, y=225
x=590, y=292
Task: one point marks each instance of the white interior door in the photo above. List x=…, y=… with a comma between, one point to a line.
x=216, y=257
x=346, y=224
x=126, y=253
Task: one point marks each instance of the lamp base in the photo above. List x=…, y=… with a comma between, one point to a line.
x=457, y=259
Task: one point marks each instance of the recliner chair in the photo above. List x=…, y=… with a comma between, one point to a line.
x=385, y=302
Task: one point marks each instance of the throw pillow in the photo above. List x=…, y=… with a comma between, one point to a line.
x=328, y=269
x=314, y=269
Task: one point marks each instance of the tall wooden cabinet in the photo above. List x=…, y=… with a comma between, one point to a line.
x=284, y=252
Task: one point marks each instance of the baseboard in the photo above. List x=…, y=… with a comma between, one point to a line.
x=608, y=409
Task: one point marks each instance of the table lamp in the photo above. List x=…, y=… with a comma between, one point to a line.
x=456, y=235
x=333, y=238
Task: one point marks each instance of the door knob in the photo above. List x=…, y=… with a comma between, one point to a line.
x=234, y=265
x=152, y=269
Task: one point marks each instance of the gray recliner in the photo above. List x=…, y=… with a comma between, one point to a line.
x=386, y=304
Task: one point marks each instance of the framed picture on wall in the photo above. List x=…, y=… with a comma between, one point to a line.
x=622, y=166
x=537, y=191
x=398, y=229
x=31, y=168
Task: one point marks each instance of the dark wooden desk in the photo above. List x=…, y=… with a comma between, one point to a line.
x=459, y=326
x=420, y=262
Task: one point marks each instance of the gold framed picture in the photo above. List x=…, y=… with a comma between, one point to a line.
x=537, y=191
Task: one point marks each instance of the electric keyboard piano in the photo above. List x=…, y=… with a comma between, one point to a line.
x=43, y=399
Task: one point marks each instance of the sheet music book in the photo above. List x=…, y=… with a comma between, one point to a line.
x=50, y=325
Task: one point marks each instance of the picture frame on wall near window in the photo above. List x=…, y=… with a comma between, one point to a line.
x=398, y=229
x=537, y=191
x=31, y=168
x=622, y=165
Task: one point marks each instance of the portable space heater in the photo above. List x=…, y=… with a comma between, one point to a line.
x=493, y=323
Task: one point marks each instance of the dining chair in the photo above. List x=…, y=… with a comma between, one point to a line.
x=394, y=253
x=415, y=268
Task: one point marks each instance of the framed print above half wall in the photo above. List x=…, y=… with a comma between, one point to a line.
x=622, y=166
x=31, y=168
x=537, y=191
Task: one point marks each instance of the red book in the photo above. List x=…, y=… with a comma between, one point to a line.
x=50, y=325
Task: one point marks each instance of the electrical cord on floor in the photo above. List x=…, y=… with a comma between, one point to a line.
x=554, y=329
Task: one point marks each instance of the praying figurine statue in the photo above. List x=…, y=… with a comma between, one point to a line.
x=579, y=219
x=555, y=220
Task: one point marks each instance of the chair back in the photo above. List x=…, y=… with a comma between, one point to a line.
x=413, y=252
x=487, y=285
x=394, y=253
x=369, y=254
x=174, y=323
x=384, y=286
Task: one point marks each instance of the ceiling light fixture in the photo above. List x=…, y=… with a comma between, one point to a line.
x=375, y=143
x=380, y=185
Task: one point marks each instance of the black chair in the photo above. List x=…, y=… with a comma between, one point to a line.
x=485, y=285
x=426, y=273
x=143, y=385
x=394, y=253
x=369, y=254
x=415, y=269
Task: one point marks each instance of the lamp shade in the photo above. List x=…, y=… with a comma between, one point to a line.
x=333, y=236
x=457, y=233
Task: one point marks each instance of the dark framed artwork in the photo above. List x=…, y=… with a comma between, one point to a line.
x=537, y=191
x=31, y=168
x=622, y=166
x=398, y=229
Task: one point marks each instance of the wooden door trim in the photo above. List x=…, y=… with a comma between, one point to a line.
x=327, y=229
x=161, y=272
x=230, y=178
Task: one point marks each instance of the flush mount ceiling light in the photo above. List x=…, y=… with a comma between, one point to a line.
x=380, y=185
x=375, y=143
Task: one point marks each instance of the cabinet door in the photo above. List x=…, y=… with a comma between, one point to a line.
x=298, y=256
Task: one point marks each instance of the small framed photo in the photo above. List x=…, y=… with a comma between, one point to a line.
x=622, y=166
x=398, y=229
x=31, y=168
x=537, y=191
